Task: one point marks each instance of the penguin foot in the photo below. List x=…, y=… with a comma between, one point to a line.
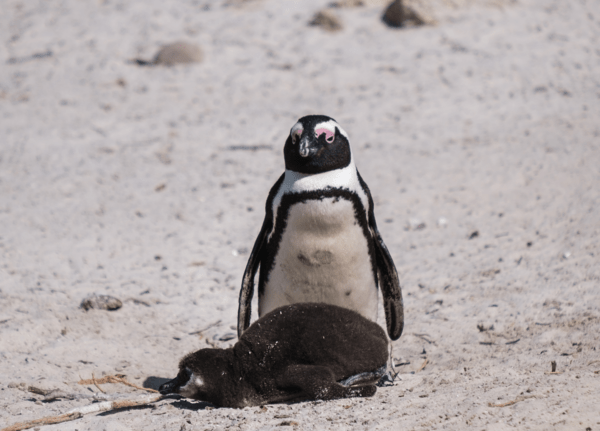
x=362, y=379
x=387, y=379
x=388, y=374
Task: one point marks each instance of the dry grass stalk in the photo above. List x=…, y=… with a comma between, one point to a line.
x=96, y=384
x=112, y=379
x=422, y=367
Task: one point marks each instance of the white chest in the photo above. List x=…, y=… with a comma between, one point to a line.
x=323, y=256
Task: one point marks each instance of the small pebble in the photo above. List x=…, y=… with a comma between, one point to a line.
x=415, y=224
x=347, y=3
x=178, y=53
x=101, y=302
x=327, y=21
x=398, y=15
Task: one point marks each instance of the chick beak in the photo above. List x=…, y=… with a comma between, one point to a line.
x=170, y=387
x=173, y=386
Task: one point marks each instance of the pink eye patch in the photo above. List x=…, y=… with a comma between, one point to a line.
x=329, y=135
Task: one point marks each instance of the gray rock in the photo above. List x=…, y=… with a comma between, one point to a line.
x=398, y=15
x=327, y=21
x=178, y=53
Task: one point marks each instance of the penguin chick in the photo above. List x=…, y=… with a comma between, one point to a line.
x=319, y=241
x=310, y=351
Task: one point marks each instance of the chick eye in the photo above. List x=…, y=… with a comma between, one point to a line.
x=329, y=135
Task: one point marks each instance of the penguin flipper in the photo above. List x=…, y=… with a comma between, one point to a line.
x=247, y=290
x=387, y=275
x=390, y=289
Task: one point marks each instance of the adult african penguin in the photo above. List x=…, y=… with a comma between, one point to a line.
x=300, y=351
x=319, y=240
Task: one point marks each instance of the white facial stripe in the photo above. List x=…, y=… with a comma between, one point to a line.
x=297, y=127
x=331, y=125
x=191, y=386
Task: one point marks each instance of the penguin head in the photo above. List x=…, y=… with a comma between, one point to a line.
x=203, y=375
x=316, y=144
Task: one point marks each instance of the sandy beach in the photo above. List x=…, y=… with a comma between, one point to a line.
x=477, y=133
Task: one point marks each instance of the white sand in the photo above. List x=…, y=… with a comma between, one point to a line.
x=125, y=180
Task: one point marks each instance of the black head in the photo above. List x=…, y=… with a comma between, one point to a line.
x=204, y=375
x=316, y=144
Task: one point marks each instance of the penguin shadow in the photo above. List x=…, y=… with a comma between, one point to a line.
x=153, y=382
x=195, y=406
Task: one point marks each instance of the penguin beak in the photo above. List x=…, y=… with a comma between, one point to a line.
x=307, y=148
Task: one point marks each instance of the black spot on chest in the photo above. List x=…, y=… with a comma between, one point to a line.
x=318, y=258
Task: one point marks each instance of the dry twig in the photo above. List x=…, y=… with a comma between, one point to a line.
x=80, y=411
x=116, y=404
x=48, y=420
x=424, y=337
x=422, y=367
x=510, y=403
x=200, y=331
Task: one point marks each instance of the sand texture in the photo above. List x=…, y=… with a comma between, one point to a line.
x=478, y=135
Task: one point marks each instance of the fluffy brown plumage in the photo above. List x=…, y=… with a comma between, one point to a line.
x=300, y=351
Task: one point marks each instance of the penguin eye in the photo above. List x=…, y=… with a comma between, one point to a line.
x=329, y=135
x=296, y=136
